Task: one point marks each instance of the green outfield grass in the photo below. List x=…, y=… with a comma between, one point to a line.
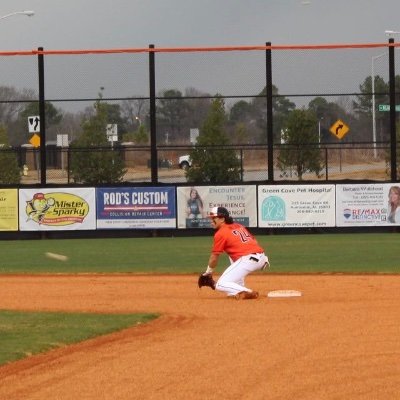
x=308, y=253
x=26, y=333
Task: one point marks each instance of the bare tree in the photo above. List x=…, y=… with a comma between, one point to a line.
x=12, y=102
x=135, y=111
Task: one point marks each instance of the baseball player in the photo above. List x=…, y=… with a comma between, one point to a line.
x=245, y=254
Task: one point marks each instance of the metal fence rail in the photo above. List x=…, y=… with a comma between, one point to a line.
x=344, y=162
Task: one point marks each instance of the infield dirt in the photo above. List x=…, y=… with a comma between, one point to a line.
x=340, y=340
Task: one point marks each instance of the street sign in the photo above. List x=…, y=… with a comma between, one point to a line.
x=386, y=107
x=194, y=134
x=35, y=140
x=112, y=132
x=34, y=124
x=339, y=129
x=62, y=140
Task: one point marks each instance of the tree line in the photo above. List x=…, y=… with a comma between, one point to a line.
x=241, y=122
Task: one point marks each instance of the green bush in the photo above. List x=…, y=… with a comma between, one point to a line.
x=10, y=173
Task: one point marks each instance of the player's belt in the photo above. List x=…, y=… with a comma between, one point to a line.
x=254, y=257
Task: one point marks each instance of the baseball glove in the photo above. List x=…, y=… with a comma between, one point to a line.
x=206, y=280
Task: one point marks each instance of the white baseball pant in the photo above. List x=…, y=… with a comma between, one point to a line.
x=232, y=280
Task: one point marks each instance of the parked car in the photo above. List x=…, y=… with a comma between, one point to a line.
x=184, y=162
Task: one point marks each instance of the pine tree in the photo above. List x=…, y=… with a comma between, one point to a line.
x=212, y=161
x=93, y=161
x=299, y=152
x=10, y=173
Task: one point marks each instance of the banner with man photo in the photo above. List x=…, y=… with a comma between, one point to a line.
x=194, y=204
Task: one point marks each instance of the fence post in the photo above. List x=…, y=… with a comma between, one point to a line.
x=270, y=133
x=153, y=131
x=392, y=98
x=42, y=116
x=326, y=163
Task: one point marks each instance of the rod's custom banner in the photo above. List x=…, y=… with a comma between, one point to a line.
x=296, y=206
x=376, y=204
x=57, y=209
x=136, y=208
x=194, y=204
x=8, y=209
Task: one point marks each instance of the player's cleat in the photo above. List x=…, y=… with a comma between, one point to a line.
x=247, y=295
x=266, y=266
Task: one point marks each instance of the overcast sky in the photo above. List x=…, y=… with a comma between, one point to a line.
x=101, y=24
x=80, y=24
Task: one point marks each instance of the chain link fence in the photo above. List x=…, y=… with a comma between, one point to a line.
x=166, y=95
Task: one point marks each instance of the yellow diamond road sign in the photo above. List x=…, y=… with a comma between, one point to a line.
x=339, y=129
x=35, y=140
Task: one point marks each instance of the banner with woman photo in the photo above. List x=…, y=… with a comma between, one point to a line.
x=194, y=203
x=375, y=204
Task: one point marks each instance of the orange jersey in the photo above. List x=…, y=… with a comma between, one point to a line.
x=236, y=241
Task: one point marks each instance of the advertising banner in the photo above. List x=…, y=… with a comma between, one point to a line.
x=296, y=206
x=376, y=204
x=194, y=204
x=136, y=208
x=57, y=209
x=8, y=209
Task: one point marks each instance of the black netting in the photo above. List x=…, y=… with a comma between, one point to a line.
x=338, y=85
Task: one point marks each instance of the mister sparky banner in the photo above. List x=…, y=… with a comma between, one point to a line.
x=57, y=209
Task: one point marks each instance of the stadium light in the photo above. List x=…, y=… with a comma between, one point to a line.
x=28, y=13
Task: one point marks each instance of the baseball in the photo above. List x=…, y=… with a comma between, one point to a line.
x=55, y=256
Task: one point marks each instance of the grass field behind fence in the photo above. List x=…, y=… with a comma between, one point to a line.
x=308, y=253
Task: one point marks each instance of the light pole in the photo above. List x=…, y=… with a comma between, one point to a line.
x=29, y=13
x=319, y=129
x=373, y=101
x=387, y=33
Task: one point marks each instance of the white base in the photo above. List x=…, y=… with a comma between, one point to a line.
x=284, y=293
